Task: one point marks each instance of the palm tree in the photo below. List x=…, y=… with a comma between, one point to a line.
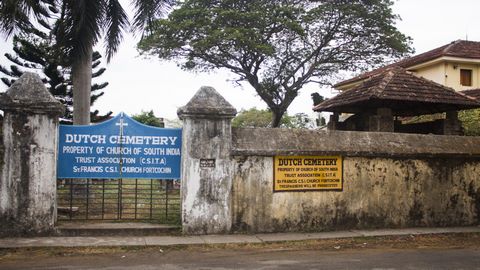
x=15, y=15
x=81, y=25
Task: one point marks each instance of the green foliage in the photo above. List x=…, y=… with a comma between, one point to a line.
x=278, y=46
x=255, y=118
x=317, y=98
x=15, y=15
x=423, y=118
x=321, y=121
x=149, y=118
x=83, y=23
x=298, y=120
x=79, y=27
x=36, y=51
x=470, y=121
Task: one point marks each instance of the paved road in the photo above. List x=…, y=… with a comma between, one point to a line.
x=263, y=259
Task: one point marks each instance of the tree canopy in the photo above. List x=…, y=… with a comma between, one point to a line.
x=149, y=118
x=35, y=53
x=81, y=24
x=253, y=118
x=17, y=15
x=278, y=46
x=36, y=50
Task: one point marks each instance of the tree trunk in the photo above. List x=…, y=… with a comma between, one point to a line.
x=82, y=87
x=277, y=118
x=82, y=83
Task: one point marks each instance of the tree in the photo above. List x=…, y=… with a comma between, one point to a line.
x=299, y=120
x=255, y=118
x=35, y=51
x=317, y=98
x=278, y=46
x=252, y=118
x=149, y=118
x=80, y=27
x=16, y=15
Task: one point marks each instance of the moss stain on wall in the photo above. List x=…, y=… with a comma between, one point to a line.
x=378, y=193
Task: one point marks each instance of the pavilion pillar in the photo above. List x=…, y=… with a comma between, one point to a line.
x=333, y=121
x=452, y=125
x=382, y=121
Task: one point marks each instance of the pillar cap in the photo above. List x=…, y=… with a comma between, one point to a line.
x=207, y=103
x=29, y=94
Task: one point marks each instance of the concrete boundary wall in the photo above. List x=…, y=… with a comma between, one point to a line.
x=269, y=142
x=389, y=180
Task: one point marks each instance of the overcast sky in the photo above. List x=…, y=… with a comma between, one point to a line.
x=138, y=84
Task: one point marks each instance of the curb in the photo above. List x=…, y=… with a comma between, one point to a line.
x=116, y=241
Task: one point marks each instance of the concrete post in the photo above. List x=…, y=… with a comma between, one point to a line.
x=28, y=170
x=207, y=168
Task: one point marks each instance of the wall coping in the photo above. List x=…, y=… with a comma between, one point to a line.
x=29, y=94
x=207, y=103
x=278, y=141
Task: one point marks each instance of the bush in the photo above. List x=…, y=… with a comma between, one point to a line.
x=470, y=122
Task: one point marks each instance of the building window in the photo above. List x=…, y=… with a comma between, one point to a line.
x=466, y=77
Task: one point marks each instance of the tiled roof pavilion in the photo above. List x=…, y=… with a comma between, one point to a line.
x=401, y=91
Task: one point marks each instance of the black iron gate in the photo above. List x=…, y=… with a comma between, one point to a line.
x=119, y=199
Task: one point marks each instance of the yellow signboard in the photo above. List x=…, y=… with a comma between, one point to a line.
x=308, y=173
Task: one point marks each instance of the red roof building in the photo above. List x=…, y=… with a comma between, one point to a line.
x=456, y=65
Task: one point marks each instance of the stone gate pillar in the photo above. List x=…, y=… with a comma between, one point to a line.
x=207, y=169
x=28, y=166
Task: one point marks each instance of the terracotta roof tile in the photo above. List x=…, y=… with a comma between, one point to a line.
x=402, y=91
x=459, y=48
x=475, y=93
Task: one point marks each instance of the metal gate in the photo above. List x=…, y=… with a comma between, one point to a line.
x=119, y=199
x=109, y=171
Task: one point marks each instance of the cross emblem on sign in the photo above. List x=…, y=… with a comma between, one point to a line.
x=121, y=124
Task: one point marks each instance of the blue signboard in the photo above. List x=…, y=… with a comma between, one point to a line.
x=119, y=148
